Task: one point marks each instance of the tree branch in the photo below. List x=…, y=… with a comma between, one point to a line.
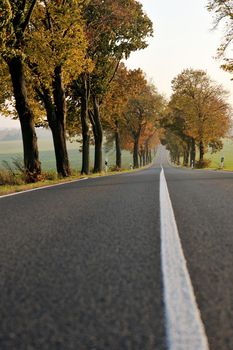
x=29, y=14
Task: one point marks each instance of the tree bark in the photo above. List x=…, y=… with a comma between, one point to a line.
x=186, y=157
x=30, y=148
x=58, y=132
x=202, y=151
x=135, y=152
x=85, y=127
x=61, y=154
x=140, y=159
x=193, y=153
x=98, y=134
x=58, y=125
x=150, y=156
x=147, y=160
x=143, y=158
x=187, y=160
x=118, y=146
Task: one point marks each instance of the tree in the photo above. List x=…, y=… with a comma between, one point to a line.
x=174, y=124
x=56, y=36
x=202, y=105
x=144, y=105
x=223, y=12
x=114, y=30
x=113, y=106
x=175, y=144
x=16, y=18
x=149, y=139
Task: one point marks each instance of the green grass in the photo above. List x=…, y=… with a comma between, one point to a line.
x=215, y=158
x=227, y=152
x=12, y=149
x=8, y=189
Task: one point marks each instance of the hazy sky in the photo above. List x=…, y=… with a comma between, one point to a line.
x=183, y=39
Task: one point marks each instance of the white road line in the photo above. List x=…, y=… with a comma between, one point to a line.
x=184, y=327
x=42, y=188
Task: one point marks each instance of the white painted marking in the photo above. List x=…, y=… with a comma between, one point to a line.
x=42, y=188
x=60, y=184
x=184, y=327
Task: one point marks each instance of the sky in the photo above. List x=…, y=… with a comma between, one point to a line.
x=183, y=39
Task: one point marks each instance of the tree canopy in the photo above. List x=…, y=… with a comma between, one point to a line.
x=223, y=13
x=198, y=111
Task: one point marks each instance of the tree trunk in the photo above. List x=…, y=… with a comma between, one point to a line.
x=187, y=153
x=193, y=153
x=140, y=159
x=143, y=158
x=202, y=151
x=150, y=156
x=98, y=135
x=118, y=146
x=147, y=160
x=62, y=161
x=85, y=134
x=85, y=125
x=186, y=157
x=58, y=125
x=58, y=133
x=31, y=155
x=135, y=153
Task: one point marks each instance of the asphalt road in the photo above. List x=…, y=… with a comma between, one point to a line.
x=80, y=265
x=203, y=206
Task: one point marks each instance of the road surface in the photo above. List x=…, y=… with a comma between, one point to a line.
x=81, y=265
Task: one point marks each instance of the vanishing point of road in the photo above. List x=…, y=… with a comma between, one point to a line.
x=136, y=261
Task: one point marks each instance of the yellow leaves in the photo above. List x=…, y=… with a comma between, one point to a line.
x=5, y=13
x=57, y=39
x=5, y=29
x=223, y=13
x=201, y=104
x=6, y=86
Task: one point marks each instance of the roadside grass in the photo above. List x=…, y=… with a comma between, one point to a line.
x=10, y=149
x=8, y=188
x=50, y=178
x=215, y=158
x=12, y=177
x=226, y=152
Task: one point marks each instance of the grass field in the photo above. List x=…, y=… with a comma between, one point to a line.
x=226, y=152
x=13, y=149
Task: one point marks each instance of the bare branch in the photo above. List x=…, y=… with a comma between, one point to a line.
x=27, y=19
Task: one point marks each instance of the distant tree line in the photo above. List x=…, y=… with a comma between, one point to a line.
x=61, y=66
x=197, y=118
x=198, y=115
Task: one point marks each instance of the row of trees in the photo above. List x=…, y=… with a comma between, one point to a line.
x=198, y=116
x=130, y=110
x=60, y=66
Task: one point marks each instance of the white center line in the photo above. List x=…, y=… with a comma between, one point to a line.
x=184, y=327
